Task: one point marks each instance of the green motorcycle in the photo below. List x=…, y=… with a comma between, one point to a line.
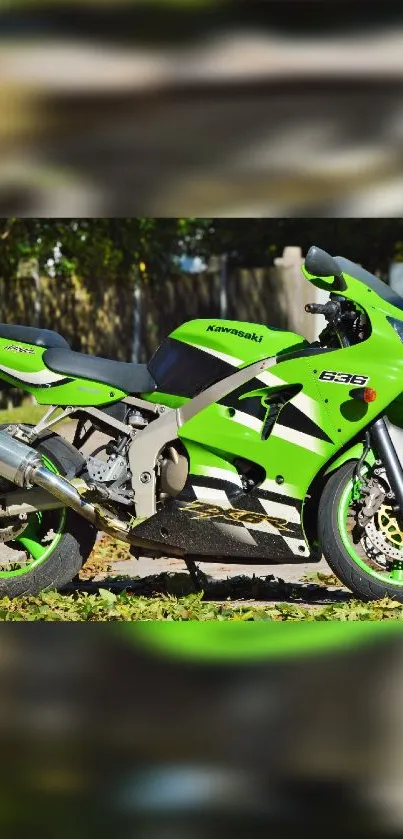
x=236, y=442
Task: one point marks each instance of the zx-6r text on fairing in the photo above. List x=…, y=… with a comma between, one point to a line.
x=237, y=441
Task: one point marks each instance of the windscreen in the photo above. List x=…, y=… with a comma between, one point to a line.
x=382, y=290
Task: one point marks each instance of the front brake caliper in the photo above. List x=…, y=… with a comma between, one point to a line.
x=372, y=495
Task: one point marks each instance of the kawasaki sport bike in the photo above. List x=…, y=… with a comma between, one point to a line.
x=236, y=443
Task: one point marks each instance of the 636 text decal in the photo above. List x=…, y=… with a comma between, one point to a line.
x=343, y=378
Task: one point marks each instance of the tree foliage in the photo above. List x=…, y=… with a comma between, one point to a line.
x=96, y=247
x=251, y=242
x=119, y=248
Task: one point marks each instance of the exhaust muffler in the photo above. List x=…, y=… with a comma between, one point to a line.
x=22, y=465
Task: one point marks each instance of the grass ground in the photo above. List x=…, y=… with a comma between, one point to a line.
x=115, y=599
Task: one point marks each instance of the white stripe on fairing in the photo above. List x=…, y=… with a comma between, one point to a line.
x=288, y=490
x=290, y=514
x=240, y=534
x=246, y=419
x=307, y=405
x=295, y=545
x=210, y=495
x=42, y=377
x=270, y=379
x=221, y=474
x=304, y=441
x=280, y=511
x=302, y=401
x=267, y=527
x=264, y=526
x=230, y=359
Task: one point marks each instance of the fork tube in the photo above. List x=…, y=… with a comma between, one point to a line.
x=387, y=453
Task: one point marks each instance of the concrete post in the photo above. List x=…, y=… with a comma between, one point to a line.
x=296, y=291
x=224, y=287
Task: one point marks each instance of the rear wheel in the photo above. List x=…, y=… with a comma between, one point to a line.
x=47, y=549
x=369, y=560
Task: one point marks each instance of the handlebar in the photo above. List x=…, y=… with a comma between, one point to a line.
x=314, y=308
x=330, y=310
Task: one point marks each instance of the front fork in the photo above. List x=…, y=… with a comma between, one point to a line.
x=385, y=449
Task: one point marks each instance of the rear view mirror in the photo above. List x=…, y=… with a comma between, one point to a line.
x=321, y=264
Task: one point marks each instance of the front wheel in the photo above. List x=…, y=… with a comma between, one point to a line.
x=369, y=561
x=49, y=548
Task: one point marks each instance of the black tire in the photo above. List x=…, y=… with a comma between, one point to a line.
x=76, y=542
x=362, y=584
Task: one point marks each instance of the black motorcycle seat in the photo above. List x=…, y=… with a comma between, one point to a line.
x=133, y=378
x=32, y=335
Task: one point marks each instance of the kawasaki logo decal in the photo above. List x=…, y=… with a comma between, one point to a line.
x=251, y=336
x=25, y=350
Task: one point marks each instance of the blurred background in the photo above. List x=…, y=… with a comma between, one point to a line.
x=103, y=732
x=201, y=107
x=116, y=287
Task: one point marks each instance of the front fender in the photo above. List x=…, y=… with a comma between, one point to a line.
x=354, y=453
x=310, y=506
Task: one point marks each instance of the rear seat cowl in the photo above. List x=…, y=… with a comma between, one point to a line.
x=32, y=335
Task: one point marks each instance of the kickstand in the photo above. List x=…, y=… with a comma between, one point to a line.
x=198, y=578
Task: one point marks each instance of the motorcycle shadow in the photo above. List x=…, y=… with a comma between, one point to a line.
x=238, y=588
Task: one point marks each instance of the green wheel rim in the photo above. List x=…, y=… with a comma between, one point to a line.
x=30, y=538
x=343, y=512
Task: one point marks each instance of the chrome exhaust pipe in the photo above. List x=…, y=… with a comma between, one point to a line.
x=63, y=490
x=22, y=465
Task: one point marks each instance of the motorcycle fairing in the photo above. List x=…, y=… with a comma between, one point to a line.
x=311, y=428
x=214, y=517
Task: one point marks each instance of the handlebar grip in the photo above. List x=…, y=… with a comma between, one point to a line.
x=315, y=308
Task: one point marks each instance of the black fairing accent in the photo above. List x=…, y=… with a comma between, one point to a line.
x=252, y=405
x=132, y=378
x=292, y=417
x=183, y=370
x=307, y=352
x=31, y=335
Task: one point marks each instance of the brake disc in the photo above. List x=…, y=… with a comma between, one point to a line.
x=385, y=533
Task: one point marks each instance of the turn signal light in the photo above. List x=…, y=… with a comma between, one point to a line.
x=369, y=394
x=364, y=394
